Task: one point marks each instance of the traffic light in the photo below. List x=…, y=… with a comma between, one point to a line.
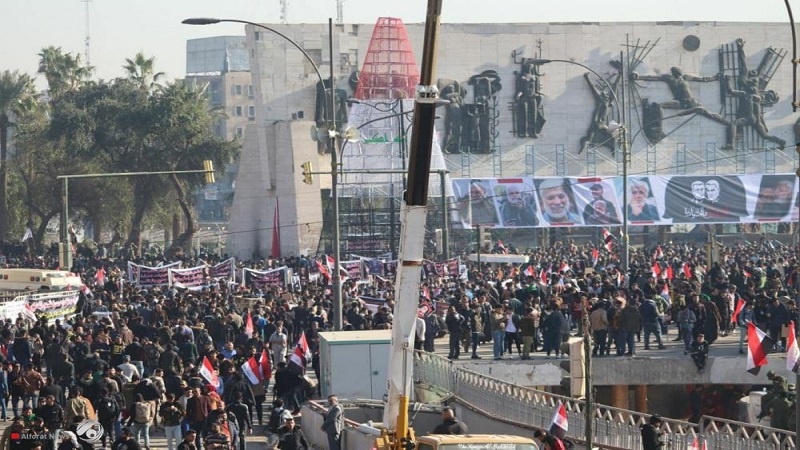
x=485, y=238
x=208, y=167
x=308, y=177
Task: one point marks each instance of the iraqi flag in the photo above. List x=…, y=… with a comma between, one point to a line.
x=656, y=270
x=301, y=355
x=792, y=350
x=595, y=256
x=252, y=371
x=738, y=310
x=100, y=277
x=687, y=270
x=658, y=254
x=264, y=367
x=559, y=426
x=248, y=325
x=608, y=239
x=668, y=274
x=758, y=345
x=529, y=272
x=207, y=372
x=543, y=276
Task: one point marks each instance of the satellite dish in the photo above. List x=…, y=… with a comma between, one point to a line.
x=351, y=135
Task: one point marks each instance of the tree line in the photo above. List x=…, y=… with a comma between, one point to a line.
x=132, y=123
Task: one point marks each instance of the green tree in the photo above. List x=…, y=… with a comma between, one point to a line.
x=17, y=97
x=141, y=70
x=63, y=71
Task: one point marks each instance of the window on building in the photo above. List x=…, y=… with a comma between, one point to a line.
x=239, y=131
x=251, y=111
x=237, y=111
x=250, y=91
x=237, y=89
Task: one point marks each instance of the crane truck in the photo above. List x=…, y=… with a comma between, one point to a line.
x=396, y=433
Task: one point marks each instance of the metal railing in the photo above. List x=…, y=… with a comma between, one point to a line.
x=613, y=427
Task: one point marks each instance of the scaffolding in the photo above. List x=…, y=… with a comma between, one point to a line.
x=390, y=69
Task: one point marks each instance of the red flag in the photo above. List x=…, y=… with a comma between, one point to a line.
x=248, y=325
x=563, y=267
x=670, y=274
x=543, y=276
x=323, y=271
x=739, y=307
x=747, y=274
x=275, y=252
x=792, y=350
x=656, y=270
x=559, y=426
x=302, y=353
x=658, y=254
x=687, y=270
x=100, y=277
x=265, y=369
x=252, y=371
x=530, y=272
x=207, y=371
x=758, y=345
x=595, y=256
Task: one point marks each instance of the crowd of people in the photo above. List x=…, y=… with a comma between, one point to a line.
x=131, y=358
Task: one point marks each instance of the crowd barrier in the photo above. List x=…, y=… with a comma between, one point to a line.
x=614, y=428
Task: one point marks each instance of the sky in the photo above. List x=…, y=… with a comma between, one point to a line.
x=119, y=29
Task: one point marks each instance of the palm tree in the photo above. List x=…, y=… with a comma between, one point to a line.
x=17, y=96
x=141, y=70
x=63, y=71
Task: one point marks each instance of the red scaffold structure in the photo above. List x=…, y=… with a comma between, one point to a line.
x=390, y=70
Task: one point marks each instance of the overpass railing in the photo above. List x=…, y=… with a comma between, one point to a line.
x=614, y=428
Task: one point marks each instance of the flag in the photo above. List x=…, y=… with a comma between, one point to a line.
x=252, y=371
x=28, y=313
x=697, y=444
x=563, y=267
x=687, y=270
x=656, y=270
x=301, y=355
x=758, y=345
x=207, y=371
x=595, y=256
x=739, y=307
x=28, y=234
x=665, y=290
x=792, y=350
x=669, y=273
x=559, y=425
x=529, y=271
x=543, y=276
x=747, y=274
x=608, y=239
x=100, y=277
x=265, y=368
x=248, y=325
x=275, y=251
x=330, y=262
x=658, y=254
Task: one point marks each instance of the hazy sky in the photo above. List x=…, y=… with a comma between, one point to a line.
x=121, y=28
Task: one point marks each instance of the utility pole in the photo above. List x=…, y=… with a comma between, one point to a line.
x=87, y=38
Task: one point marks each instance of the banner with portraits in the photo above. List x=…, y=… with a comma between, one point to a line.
x=540, y=202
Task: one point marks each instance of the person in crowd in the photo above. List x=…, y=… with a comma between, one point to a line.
x=699, y=352
x=291, y=437
x=450, y=424
x=651, y=434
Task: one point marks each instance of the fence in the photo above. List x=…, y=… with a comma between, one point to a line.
x=613, y=427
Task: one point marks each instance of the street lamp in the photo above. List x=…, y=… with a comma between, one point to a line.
x=616, y=129
x=331, y=137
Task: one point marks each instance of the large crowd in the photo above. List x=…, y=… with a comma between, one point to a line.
x=131, y=358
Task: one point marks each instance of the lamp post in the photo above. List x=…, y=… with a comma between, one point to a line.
x=614, y=128
x=65, y=258
x=332, y=135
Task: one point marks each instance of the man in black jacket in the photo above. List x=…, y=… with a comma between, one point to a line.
x=651, y=434
x=242, y=413
x=450, y=425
